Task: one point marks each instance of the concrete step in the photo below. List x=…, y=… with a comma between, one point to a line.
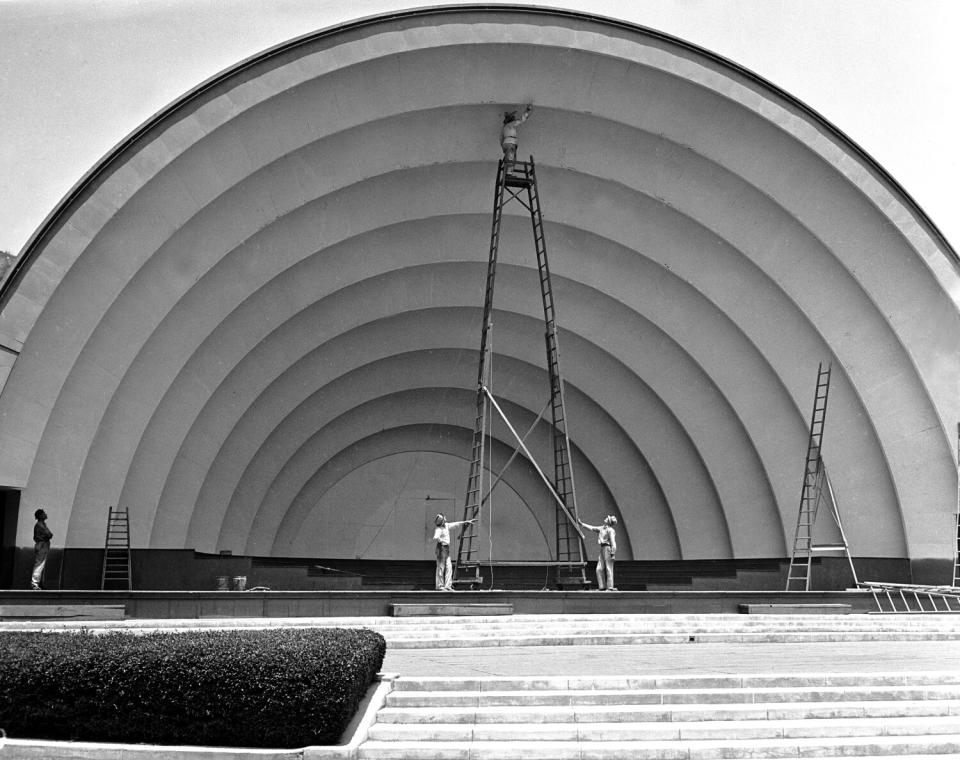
x=874, y=746
x=584, y=623
x=684, y=622
x=680, y=681
x=707, y=622
x=676, y=713
x=644, y=629
x=493, y=639
x=684, y=716
x=61, y=611
x=450, y=608
x=616, y=731
x=588, y=629
x=611, y=629
x=640, y=629
x=685, y=635
x=680, y=618
x=669, y=696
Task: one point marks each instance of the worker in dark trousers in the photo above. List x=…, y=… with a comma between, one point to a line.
x=607, y=538
x=444, y=579
x=41, y=548
x=508, y=133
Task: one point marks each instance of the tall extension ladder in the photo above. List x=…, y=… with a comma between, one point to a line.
x=116, y=556
x=956, y=555
x=816, y=482
x=517, y=181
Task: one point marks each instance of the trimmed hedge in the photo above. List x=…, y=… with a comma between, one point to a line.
x=280, y=688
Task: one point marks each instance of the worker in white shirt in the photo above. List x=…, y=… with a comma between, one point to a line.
x=508, y=133
x=607, y=538
x=444, y=580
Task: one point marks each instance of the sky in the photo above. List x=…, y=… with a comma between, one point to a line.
x=77, y=76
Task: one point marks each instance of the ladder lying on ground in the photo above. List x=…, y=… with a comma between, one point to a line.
x=116, y=555
x=517, y=181
x=816, y=487
x=906, y=597
x=919, y=598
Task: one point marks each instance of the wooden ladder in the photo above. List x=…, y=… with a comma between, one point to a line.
x=956, y=554
x=116, y=555
x=517, y=181
x=816, y=488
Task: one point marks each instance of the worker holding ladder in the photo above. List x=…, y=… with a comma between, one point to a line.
x=607, y=541
x=444, y=579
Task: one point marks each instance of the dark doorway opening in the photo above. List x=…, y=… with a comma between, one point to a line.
x=9, y=514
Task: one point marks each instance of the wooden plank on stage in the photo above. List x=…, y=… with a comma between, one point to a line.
x=453, y=608
x=62, y=611
x=793, y=609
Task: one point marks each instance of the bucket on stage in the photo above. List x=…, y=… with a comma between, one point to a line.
x=223, y=583
x=239, y=582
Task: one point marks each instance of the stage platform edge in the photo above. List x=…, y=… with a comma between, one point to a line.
x=291, y=604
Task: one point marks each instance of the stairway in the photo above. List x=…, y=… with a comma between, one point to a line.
x=561, y=630
x=709, y=716
x=571, y=630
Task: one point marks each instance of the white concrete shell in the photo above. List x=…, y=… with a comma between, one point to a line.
x=256, y=322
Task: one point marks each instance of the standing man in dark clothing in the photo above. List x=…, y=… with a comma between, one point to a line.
x=41, y=548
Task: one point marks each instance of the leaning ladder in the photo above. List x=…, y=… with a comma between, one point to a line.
x=816, y=483
x=517, y=181
x=956, y=554
x=116, y=556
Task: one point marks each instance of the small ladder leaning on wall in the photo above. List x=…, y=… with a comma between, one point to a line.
x=116, y=555
x=816, y=487
x=517, y=181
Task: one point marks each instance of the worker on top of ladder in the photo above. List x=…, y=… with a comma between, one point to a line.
x=508, y=133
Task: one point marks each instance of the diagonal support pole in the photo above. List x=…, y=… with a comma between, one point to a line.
x=514, y=454
x=835, y=512
x=573, y=520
